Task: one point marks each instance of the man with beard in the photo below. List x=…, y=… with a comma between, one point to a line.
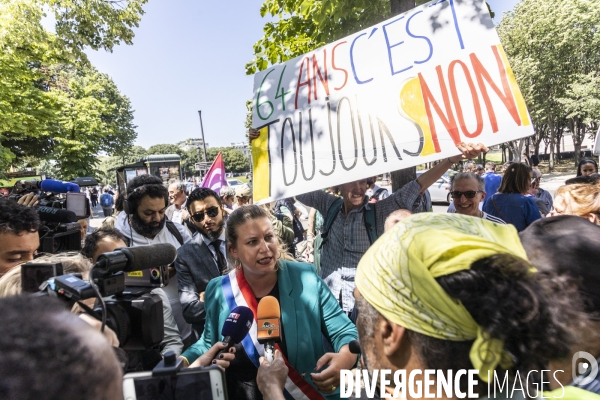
x=143, y=222
x=204, y=257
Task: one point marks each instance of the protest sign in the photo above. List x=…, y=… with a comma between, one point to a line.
x=400, y=93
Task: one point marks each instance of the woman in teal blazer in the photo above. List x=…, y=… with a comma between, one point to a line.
x=308, y=311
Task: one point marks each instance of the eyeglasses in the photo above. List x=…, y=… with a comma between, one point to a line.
x=211, y=212
x=469, y=194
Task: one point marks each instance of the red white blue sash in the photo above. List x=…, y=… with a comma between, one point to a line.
x=237, y=292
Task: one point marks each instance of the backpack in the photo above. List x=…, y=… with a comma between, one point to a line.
x=336, y=207
x=106, y=200
x=174, y=231
x=377, y=194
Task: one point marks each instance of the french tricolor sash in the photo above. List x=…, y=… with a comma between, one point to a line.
x=237, y=292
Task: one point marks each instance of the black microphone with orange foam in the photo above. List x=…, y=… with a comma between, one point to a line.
x=268, y=321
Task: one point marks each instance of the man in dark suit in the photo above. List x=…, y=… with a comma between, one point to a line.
x=202, y=258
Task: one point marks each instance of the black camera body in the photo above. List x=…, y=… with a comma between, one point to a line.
x=59, y=231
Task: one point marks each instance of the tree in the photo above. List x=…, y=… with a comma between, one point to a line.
x=165, y=149
x=553, y=50
x=30, y=107
x=107, y=164
x=234, y=160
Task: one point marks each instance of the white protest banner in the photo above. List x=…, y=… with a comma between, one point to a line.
x=397, y=94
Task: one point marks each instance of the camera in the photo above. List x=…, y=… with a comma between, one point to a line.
x=134, y=314
x=60, y=205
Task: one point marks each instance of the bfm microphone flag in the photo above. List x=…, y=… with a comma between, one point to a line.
x=215, y=177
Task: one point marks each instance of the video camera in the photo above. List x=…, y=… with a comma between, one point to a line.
x=136, y=316
x=60, y=206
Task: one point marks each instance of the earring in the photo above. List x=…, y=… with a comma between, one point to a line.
x=238, y=264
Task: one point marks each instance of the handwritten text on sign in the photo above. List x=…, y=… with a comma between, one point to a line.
x=398, y=94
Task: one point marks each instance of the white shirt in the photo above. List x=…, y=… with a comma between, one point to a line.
x=177, y=213
x=382, y=195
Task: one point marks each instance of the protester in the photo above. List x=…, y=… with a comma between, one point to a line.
x=468, y=193
x=202, y=258
x=570, y=246
x=227, y=194
x=243, y=194
x=307, y=309
x=374, y=192
x=492, y=179
x=535, y=160
x=177, y=212
x=469, y=166
x=511, y=204
x=348, y=238
x=286, y=207
x=93, y=196
x=580, y=199
x=540, y=194
x=526, y=159
x=479, y=170
x=143, y=222
x=19, y=236
x=283, y=228
x=587, y=166
x=506, y=165
x=48, y=353
x=107, y=202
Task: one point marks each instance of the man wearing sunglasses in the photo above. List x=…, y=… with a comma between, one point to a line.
x=468, y=192
x=202, y=258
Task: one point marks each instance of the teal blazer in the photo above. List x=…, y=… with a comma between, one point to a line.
x=308, y=309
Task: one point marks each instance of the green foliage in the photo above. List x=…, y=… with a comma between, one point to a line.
x=234, y=160
x=553, y=50
x=107, y=164
x=305, y=25
x=165, y=149
x=44, y=78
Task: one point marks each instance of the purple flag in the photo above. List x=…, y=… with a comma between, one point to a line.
x=215, y=177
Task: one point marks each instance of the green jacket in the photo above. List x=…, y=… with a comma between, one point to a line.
x=308, y=309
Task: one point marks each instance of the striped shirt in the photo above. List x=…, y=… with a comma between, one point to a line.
x=492, y=218
x=348, y=239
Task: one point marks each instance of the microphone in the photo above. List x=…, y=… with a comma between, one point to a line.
x=50, y=185
x=135, y=258
x=236, y=327
x=268, y=323
x=51, y=214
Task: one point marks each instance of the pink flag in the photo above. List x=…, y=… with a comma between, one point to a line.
x=215, y=177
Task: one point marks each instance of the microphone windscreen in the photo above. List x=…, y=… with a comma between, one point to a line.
x=51, y=214
x=268, y=307
x=238, y=323
x=268, y=320
x=151, y=256
x=50, y=185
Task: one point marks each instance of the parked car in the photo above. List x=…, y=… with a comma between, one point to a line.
x=440, y=190
x=234, y=182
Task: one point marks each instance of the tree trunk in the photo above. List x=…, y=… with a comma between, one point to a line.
x=402, y=176
x=552, y=137
x=578, y=130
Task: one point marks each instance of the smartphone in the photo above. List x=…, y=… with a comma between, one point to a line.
x=188, y=384
x=34, y=274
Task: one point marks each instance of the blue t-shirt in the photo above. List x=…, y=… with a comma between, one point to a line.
x=513, y=208
x=492, y=182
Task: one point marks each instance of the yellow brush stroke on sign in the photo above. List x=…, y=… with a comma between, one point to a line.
x=260, y=158
x=412, y=106
x=523, y=113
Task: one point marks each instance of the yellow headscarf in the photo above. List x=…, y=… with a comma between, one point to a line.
x=397, y=277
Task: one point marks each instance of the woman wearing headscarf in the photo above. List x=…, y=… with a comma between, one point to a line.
x=452, y=292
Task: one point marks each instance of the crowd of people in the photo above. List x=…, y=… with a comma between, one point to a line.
x=506, y=282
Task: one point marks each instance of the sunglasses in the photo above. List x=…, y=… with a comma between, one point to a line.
x=211, y=212
x=469, y=194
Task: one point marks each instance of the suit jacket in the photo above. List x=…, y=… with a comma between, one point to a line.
x=308, y=311
x=196, y=266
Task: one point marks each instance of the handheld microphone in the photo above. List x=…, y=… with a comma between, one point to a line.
x=268, y=323
x=236, y=327
x=135, y=258
x=51, y=214
x=50, y=185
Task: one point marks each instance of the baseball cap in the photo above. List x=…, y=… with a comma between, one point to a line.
x=243, y=191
